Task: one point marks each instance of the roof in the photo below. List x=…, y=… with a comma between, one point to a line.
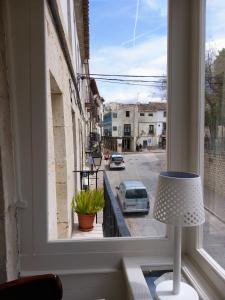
x=82, y=21
x=152, y=106
x=133, y=184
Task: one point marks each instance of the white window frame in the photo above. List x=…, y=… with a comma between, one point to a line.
x=37, y=253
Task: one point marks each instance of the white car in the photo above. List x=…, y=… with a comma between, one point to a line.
x=133, y=196
x=116, y=161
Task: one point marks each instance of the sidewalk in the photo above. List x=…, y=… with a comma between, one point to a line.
x=214, y=203
x=97, y=231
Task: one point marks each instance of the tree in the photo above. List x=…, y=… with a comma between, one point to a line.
x=214, y=91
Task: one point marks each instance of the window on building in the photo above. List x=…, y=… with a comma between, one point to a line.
x=127, y=129
x=114, y=128
x=164, y=114
x=150, y=114
x=114, y=115
x=127, y=113
x=151, y=129
x=142, y=114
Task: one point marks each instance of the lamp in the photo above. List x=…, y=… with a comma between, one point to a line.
x=179, y=202
x=97, y=160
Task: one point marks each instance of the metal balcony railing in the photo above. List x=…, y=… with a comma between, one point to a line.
x=127, y=133
x=113, y=221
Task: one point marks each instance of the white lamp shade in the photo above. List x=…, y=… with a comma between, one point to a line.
x=179, y=199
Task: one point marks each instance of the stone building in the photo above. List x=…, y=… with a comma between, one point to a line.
x=43, y=111
x=137, y=125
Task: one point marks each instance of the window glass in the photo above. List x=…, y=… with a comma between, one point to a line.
x=214, y=139
x=151, y=129
x=136, y=193
x=117, y=158
x=142, y=114
x=130, y=74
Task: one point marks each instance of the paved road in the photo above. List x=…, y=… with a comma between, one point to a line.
x=146, y=167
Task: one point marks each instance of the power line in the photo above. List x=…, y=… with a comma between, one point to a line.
x=130, y=83
x=121, y=75
x=128, y=80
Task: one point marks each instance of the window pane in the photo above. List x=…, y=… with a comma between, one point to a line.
x=214, y=146
x=128, y=60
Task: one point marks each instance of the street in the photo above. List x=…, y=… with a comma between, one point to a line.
x=145, y=167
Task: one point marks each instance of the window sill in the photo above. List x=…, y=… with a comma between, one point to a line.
x=137, y=286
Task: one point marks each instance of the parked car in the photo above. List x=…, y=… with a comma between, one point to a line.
x=116, y=161
x=133, y=196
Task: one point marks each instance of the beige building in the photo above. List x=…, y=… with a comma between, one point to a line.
x=137, y=125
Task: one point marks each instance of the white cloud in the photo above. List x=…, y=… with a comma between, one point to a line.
x=157, y=5
x=148, y=58
x=215, y=44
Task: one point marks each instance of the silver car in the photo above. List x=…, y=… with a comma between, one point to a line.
x=133, y=196
x=116, y=161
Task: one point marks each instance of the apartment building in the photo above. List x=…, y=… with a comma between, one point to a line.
x=139, y=126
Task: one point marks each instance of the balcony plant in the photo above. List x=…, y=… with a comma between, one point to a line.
x=86, y=204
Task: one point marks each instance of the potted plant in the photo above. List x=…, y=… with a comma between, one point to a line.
x=86, y=204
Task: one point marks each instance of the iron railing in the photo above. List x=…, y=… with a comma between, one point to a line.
x=113, y=221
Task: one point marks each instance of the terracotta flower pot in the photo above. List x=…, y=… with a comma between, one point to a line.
x=86, y=222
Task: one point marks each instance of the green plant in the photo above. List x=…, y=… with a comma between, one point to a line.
x=88, y=202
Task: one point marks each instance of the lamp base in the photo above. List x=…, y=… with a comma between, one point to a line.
x=164, y=291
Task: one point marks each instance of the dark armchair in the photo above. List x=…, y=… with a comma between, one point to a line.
x=38, y=287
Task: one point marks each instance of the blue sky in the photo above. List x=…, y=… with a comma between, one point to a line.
x=130, y=37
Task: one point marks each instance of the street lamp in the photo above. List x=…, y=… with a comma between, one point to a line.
x=97, y=160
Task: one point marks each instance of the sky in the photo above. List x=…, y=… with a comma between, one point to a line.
x=129, y=37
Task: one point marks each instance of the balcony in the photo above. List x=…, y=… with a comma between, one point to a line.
x=127, y=133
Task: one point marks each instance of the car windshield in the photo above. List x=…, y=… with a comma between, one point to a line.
x=136, y=193
x=117, y=158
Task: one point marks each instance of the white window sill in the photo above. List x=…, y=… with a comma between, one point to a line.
x=137, y=286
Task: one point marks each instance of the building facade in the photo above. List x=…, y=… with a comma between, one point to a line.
x=139, y=126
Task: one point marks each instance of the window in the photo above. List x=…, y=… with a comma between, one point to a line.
x=142, y=114
x=136, y=193
x=151, y=129
x=114, y=128
x=114, y=115
x=164, y=114
x=127, y=113
x=150, y=114
x=127, y=129
x=214, y=139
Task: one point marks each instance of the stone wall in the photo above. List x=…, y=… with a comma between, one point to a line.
x=66, y=137
x=214, y=172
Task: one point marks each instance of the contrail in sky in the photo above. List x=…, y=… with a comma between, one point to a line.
x=135, y=24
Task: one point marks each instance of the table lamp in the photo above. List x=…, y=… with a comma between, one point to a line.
x=179, y=202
